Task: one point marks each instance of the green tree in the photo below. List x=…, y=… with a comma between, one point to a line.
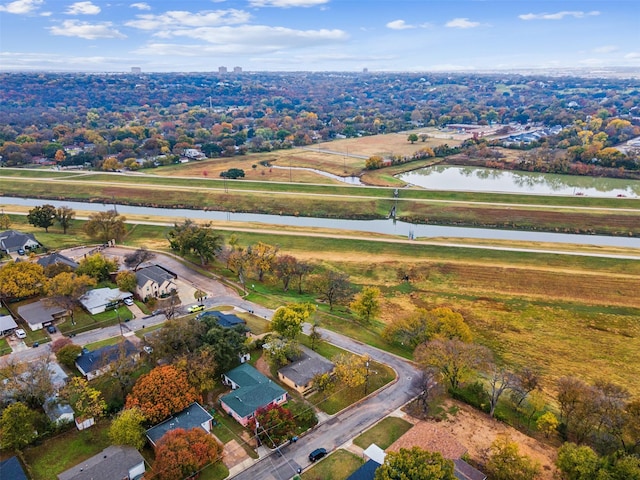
x=17, y=426
x=415, y=464
x=506, y=462
x=199, y=295
x=351, y=369
x=5, y=221
x=21, y=280
x=97, y=266
x=64, y=216
x=65, y=290
x=126, y=281
x=332, y=287
x=547, y=423
x=86, y=401
x=127, y=429
x=42, y=217
x=425, y=325
x=413, y=138
x=577, y=462
x=68, y=354
x=262, y=258
x=202, y=241
x=315, y=336
x=106, y=226
x=288, y=320
x=29, y=383
x=200, y=367
x=366, y=304
x=456, y=360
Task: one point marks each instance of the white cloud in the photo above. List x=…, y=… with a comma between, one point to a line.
x=286, y=3
x=399, y=25
x=141, y=6
x=179, y=18
x=20, y=7
x=632, y=55
x=240, y=40
x=605, y=49
x=90, y=31
x=461, y=23
x=557, y=15
x=83, y=8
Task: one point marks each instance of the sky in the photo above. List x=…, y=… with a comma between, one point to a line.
x=317, y=35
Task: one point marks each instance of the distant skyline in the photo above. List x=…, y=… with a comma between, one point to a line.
x=317, y=35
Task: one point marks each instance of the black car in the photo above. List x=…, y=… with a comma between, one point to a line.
x=317, y=454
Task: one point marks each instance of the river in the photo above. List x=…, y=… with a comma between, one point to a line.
x=389, y=227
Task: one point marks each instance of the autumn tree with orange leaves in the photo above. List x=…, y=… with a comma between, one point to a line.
x=182, y=453
x=160, y=393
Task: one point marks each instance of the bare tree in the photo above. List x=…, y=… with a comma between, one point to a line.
x=134, y=259
x=500, y=380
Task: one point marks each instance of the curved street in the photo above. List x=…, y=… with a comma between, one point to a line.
x=331, y=433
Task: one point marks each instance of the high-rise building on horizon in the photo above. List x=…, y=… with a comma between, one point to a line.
x=237, y=69
x=222, y=69
x=136, y=70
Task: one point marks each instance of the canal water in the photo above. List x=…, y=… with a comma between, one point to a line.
x=389, y=227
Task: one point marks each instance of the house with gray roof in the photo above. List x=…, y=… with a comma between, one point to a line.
x=194, y=416
x=250, y=391
x=154, y=281
x=299, y=374
x=114, y=462
x=11, y=241
x=226, y=320
x=59, y=412
x=99, y=300
x=39, y=314
x=94, y=363
x=7, y=325
x=56, y=258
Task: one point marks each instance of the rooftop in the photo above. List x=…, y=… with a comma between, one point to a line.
x=191, y=417
x=112, y=463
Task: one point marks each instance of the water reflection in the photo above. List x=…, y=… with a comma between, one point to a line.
x=443, y=177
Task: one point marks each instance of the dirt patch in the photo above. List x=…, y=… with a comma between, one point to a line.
x=476, y=431
x=233, y=454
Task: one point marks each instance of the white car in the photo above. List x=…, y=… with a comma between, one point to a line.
x=128, y=301
x=20, y=333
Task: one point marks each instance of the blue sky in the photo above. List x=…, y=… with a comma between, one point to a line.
x=317, y=35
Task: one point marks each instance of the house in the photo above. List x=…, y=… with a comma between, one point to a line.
x=114, y=462
x=57, y=411
x=11, y=468
x=366, y=471
x=193, y=416
x=154, y=281
x=99, y=300
x=7, y=325
x=225, y=320
x=98, y=362
x=299, y=374
x=11, y=241
x=57, y=259
x=39, y=315
x=251, y=391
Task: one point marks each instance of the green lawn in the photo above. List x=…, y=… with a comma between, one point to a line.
x=337, y=466
x=384, y=433
x=55, y=455
x=217, y=471
x=4, y=347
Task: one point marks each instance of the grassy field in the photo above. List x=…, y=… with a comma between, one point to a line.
x=384, y=433
x=337, y=466
x=57, y=454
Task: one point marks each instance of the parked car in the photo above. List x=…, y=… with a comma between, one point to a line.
x=128, y=301
x=20, y=333
x=51, y=329
x=21, y=251
x=317, y=454
x=195, y=308
x=148, y=349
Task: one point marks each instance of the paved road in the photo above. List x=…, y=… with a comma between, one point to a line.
x=330, y=434
x=346, y=425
